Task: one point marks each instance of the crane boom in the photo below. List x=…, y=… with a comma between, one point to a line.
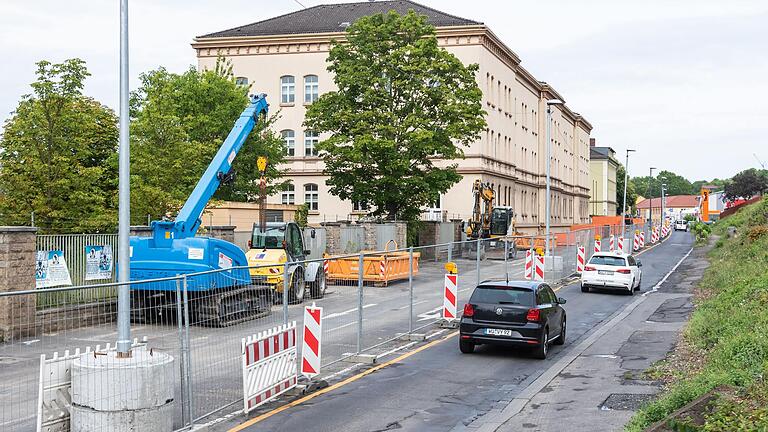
x=188, y=220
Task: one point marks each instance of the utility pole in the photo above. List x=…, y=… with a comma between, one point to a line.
x=624, y=206
x=124, y=198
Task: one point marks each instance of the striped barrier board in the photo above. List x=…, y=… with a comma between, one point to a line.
x=449, y=297
x=642, y=239
x=580, y=259
x=539, y=268
x=598, y=246
x=636, y=242
x=528, y=264
x=311, y=352
x=269, y=365
x=612, y=244
x=621, y=243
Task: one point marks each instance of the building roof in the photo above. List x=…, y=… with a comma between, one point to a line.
x=601, y=153
x=331, y=18
x=672, y=201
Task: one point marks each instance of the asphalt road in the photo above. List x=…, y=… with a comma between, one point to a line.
x=440, y=389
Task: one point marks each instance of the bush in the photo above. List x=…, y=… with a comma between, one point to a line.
x=701, y=231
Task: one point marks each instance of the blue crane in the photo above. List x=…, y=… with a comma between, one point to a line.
x=222, y=296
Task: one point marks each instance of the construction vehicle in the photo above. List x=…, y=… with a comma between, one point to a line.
x=272, y=246
x=489, y=221
x=217, y=297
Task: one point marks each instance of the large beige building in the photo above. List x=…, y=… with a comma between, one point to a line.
x=285, y=57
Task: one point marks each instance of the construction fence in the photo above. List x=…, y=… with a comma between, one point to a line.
x=57, y=340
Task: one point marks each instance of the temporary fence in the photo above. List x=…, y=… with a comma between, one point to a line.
x=198, y=322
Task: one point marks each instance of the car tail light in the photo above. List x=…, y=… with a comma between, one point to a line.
x=589, y=268
x=533, y=315
x=469, y=310
x=624, y=271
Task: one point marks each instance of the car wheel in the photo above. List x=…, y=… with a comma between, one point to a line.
x=631, y=290
x=543, y=348
x=466, y=347
x=561, y=339
x=318, y=287
x=584, y=288
x=637, y=288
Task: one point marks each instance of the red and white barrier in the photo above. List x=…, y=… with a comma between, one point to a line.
x=326, y=266
x=528, y=264
x=636, y=242
x=642, y=239
x=539, y=268
x=311, y=341
x=612, y=244
x=598, y=245
x=621, y=243
x=581, y=255
x=269, y=365
x=449, y=297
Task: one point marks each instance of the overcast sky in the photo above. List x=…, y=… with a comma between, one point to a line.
x=685, y=83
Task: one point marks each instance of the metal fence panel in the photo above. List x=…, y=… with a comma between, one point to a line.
x=73, y=246
x=352, y=239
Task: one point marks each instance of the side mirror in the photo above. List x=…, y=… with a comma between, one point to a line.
x=312, y=233
x=561, y=300
x=307, y=252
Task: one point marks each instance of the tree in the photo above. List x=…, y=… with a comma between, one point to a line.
x=402, y=104
x=676, y=184
x=58, y=155
x=179, y=121
x=745, y=185
x=631, y=191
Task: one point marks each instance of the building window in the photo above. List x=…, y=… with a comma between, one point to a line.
x=310, y=196
x=311, y=88
x=360, y=206
x=289, y=138
x=241, y=81
x=287, y=89
x=288, y=195
x=310, y=142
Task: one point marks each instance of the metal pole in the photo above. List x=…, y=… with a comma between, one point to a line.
x=648, y=193
x=624, y=205
x=477, y=261
x=360, y=264
x=549, y=167
x=124, y=197
x=285, y=294
x=410, y=288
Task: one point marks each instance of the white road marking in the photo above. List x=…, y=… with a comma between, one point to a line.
x=430, y=314
x=437, y=333
x=664, y=279
x=347, y=312
x=408, y=345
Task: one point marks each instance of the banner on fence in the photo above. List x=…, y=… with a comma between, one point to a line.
x=269, y=365
x=98, y=262
x=51, y=269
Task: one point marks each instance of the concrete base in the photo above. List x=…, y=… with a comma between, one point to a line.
x=414, y=337
x=361, y=358
x=123, y=394
x=449, y=324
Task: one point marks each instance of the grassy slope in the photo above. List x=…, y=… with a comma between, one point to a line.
x=731, y=327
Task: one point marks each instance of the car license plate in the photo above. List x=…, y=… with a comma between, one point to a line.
x=605, y=272
x=498, y=332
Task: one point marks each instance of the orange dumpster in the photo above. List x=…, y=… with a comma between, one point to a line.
x=378, y=268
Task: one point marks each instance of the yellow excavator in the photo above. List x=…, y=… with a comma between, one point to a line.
x=489, y=221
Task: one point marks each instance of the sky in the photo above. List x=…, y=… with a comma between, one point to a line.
x=684, y=83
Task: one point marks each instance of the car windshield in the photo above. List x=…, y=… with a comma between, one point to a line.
x=271, y=238
x=502, y=295
x=608, y=261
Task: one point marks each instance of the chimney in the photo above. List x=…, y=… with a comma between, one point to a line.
x=591, y=142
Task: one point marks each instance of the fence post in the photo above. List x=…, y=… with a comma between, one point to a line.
x=185, y=415
x=477, y=261
x=360, y=264
x=186, y=349
x=410, y=288
x=285, y=293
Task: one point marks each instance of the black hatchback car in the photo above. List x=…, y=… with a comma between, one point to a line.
x=517, y=313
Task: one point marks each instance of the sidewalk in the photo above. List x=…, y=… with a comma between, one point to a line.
x=601, y=385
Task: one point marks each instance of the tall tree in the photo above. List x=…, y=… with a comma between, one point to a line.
x=746, y=184
x=58, y=155
x=631, y=191
x=402, y=104
x=676, y=184
x=179, y=121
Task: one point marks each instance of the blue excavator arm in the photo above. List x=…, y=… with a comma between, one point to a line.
x=188, y=220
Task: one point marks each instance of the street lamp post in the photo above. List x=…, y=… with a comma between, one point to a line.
x=663, y=189
x=124, y=197
x=648, y=194
x=550, y=102
x=624, y=205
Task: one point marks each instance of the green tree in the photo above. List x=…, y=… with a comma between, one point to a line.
x=746, y=184
x=402, y=104
x=631, y=191
x=676, y=184
x=58, y=155
x=179, y=121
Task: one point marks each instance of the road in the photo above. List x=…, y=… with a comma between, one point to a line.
x=440, y=389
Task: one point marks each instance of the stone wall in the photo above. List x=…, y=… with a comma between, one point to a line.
x=17, y=273
x=332, y=237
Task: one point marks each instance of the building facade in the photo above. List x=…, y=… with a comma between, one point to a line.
x=602, y=174
x=675, y=207
x=285, y=57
